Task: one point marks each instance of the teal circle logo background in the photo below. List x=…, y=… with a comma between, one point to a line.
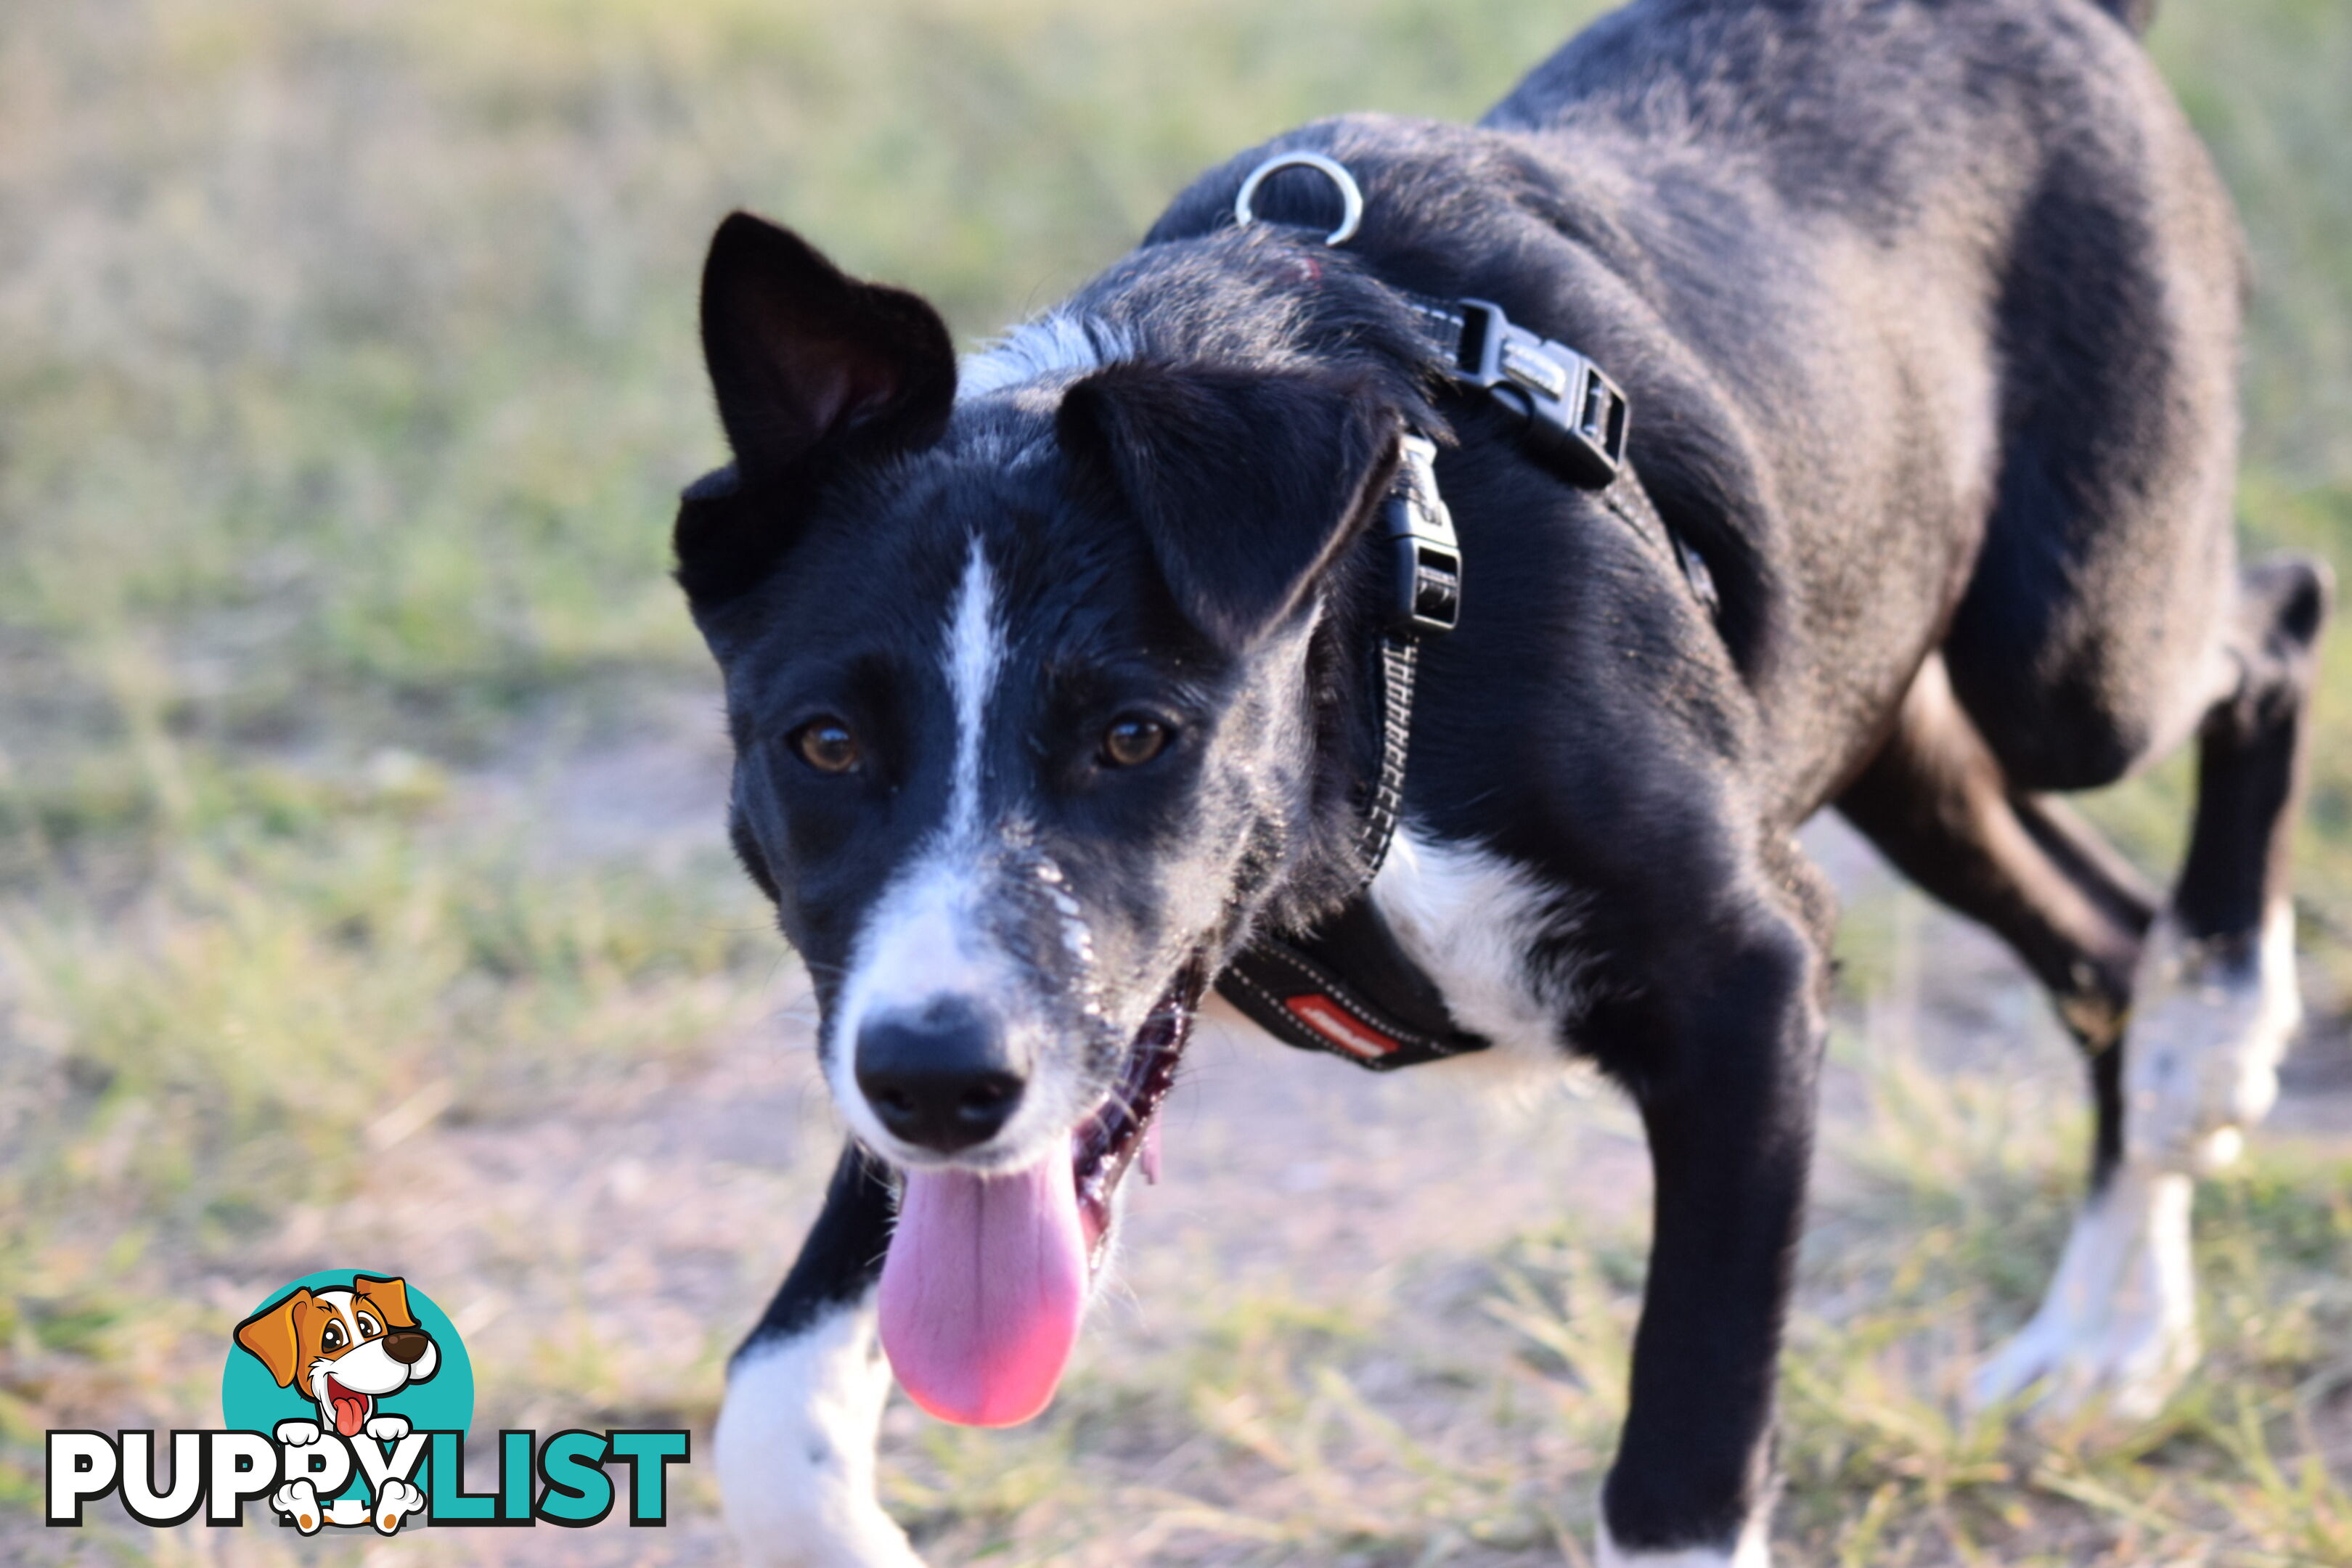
x=251, y=1400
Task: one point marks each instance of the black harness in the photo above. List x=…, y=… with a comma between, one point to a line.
x=1346, y=987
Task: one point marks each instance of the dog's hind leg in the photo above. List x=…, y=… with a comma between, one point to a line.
x=1936, y=802
x=2214, y=1004
x=2209, y=986
x=2216, y=996
x=805, y=1397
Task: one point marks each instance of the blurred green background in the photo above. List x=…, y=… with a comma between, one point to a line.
x=347, y=375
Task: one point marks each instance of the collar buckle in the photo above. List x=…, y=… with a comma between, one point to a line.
x=1427, y=557
x=1576, y=416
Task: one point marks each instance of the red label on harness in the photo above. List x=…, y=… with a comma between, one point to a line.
x=1339, y=1026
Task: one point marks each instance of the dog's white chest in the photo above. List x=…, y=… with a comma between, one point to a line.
x=1473, y=922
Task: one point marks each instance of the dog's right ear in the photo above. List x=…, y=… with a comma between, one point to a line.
x=811, y=368
x=1248, y=483
x=270, y=1335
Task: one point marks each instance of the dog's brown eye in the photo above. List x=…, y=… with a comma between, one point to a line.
x=331, y=1338
x=1134, y=740
x=826, y=745
x=369, y=1328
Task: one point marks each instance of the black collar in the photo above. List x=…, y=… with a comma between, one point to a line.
x=1345, y=987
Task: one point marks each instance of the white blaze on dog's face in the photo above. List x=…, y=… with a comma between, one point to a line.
x=344, y=1348
x=932, y=947
x=986, y=928
x=1004, y=804
x=1026, y=722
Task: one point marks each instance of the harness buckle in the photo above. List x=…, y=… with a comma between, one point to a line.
x=1427, y=556
x=1576, y=416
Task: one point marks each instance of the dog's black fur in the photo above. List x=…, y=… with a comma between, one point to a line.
x=1927, y=315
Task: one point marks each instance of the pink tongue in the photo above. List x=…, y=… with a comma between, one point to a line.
x=349, y=1414
x=982, y=1291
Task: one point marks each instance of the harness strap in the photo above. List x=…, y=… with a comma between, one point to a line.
x=1346, y=987
x=1630, y=501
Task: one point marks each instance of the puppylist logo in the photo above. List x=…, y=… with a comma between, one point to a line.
x=345, y=1403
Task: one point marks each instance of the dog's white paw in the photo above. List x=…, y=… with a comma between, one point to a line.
x=2207, y=1031
x=1753, y=1550
x=394, y=1502
x=299, y=1500
x=2117, y=1331
x=312, y=1458
x=387, y=1428
x=795, y=1447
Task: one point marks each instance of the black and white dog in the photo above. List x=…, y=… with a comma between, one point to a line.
x=1049, y=676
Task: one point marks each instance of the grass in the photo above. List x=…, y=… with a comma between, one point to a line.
x=346, y=372
x=1467, y=1417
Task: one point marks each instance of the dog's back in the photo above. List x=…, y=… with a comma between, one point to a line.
x=1928, y=312
x=1890, y=203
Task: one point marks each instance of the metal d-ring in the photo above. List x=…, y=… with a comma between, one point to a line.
x=1351, y=195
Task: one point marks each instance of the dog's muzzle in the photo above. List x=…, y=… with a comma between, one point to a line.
x=988, y=1273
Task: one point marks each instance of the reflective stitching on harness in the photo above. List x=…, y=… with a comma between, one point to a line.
x=1400, y=657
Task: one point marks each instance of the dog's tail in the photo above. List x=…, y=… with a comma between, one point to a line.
x=2133, y=14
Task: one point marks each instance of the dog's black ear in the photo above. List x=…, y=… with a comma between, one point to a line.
x=811, y=368
x=800, y=355
x=1248, y=484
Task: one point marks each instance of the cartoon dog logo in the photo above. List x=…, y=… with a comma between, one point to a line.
x=345, y=1349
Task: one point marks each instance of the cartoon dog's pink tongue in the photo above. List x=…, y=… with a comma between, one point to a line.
x=982, y=1291
x=351, y=1409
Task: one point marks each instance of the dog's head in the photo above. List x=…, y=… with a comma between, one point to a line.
x=344, y=1349
x=1020, y=693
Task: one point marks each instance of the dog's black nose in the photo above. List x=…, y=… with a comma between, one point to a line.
x=406, y=1346
x=939, y=1077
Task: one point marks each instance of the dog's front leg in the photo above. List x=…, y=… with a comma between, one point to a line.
x=1728, y=1102
x=805, y=1397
